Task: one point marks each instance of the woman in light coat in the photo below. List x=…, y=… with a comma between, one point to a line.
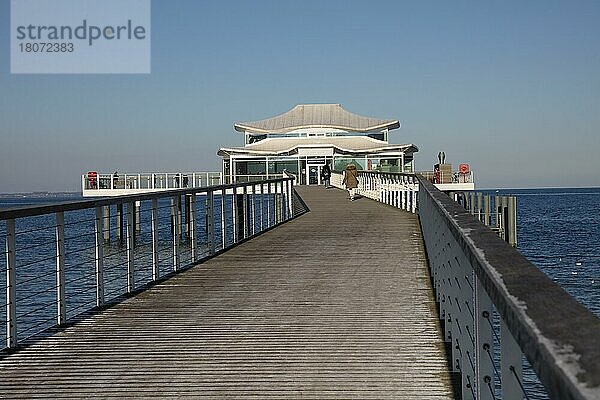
x=351, y=180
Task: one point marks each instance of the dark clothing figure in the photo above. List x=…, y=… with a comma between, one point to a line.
x=326, y=174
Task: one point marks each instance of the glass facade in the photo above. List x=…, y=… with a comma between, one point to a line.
x=250, y=168
x=277, y=167
x=253, y=138
x=297, y=165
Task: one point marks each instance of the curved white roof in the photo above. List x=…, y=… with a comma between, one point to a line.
x=352, y=144
x=317, y=116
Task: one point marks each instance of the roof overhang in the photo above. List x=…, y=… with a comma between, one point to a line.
x=403, y=148
x=324, y=116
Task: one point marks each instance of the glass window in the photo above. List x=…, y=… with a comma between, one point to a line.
x=340, y=164
x=277, y=167
x=378, y=136
x=256, y=138
x=250, y=168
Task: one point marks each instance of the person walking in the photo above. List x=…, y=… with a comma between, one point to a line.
x=326, y=174
x=351, y=180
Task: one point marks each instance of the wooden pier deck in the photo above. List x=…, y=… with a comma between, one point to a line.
x=334, y=304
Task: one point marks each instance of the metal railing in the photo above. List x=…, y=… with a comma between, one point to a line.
x=495, y=306
x=395, y=189
x=452, y=177
x=497, y=212
x=93, y=181
x=251, y=178
x=61, y=260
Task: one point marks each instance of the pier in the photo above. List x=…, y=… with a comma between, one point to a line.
x=317, y=308
x=278, y=292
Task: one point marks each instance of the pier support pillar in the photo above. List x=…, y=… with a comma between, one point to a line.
x=472, y=203
x=487, y=218
x=511, y=226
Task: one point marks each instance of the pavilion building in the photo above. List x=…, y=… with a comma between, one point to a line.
x=302, y=140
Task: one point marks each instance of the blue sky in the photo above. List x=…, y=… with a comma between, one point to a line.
x=513, y=88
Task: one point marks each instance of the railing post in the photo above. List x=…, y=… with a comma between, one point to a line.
x=179, y=218
x=408, y=194
x=234, y=215
x=175, y=226
x=11, y=285
x=99, y=258
x=223, y=222
x=268, y=205
x=415, y=198
x=386, y=190
x=246, y=217
x=262, y=206
x=191, y=217
x=511, y=364
x=154, y=228
x=130, y=244
x=485, y=378
x=61, y=314
x=397, y=191
x=290, y=199
x=284, y=200
x=279, y=186
x=281, y=201
x=210, y=221
x=253, y=208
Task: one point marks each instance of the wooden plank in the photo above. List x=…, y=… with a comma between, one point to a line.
x=334, y=304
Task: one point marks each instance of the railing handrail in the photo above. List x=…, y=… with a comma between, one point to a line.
x=41, y=209
x=557, y=334
x=339, y=171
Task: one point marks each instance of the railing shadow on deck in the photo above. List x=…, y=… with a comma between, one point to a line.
x=479, y=279
x=152, y=240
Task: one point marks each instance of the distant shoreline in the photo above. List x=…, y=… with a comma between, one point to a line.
x=40, y=194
